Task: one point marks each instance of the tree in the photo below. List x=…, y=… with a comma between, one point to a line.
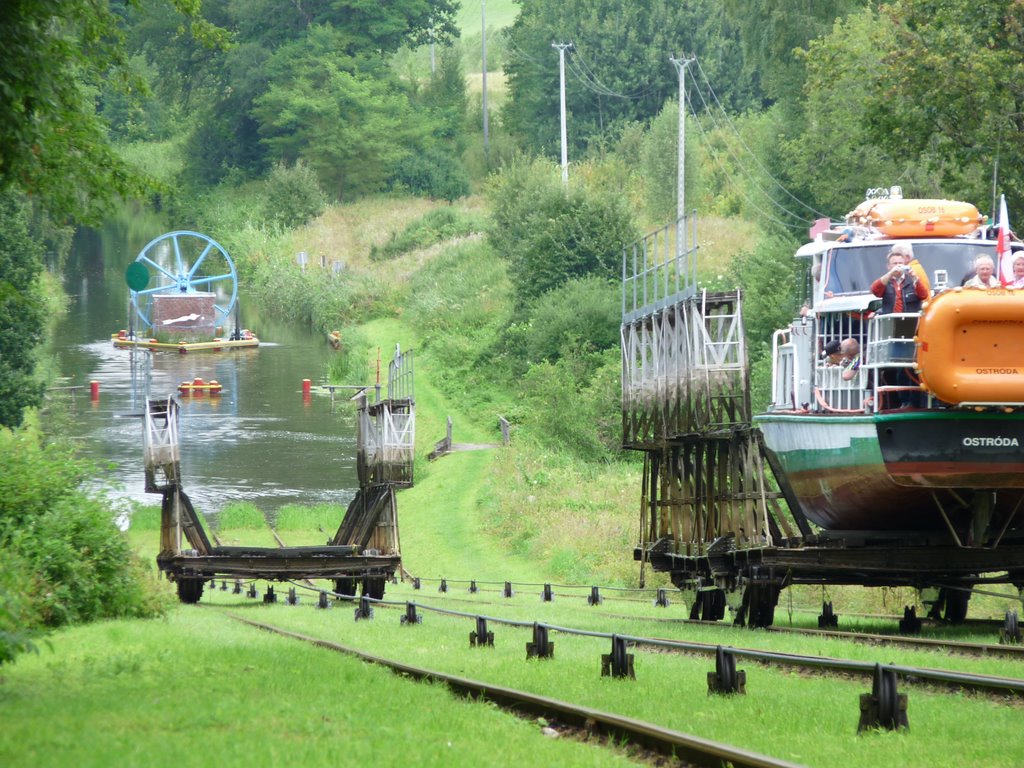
x=772, y=31
x=21, y=313
x=549, y=235
x=224, y=88
x=58, y=56
x=618, y=70
x=341, y=115
x=951, y=92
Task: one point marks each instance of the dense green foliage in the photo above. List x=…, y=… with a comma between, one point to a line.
x=618, y=69
x=550, y=235
x=21, y=310
x=432, y=228
x=771, y=31
x=293, y=196
x=64, y=561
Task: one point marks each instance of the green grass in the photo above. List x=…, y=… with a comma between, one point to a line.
x=201, y=690
x=786, y=714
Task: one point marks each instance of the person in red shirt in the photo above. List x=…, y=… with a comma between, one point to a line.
x=899, y=289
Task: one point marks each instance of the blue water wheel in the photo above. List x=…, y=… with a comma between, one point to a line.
x=182, y=262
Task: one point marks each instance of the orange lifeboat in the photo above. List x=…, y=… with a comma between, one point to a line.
x=971, y=346
x=917, y=217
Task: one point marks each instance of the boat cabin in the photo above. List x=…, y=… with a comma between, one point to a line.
x=843, y=263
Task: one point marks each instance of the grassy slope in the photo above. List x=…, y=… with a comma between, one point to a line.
x=440, y=517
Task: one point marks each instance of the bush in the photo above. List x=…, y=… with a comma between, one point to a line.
x=575, y=403
x=293, y=196
x=434, y=227
x=549, y=236
x=433, y=173
x=582, y=314
x=64, y=559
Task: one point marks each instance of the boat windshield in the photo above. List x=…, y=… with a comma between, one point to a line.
x=852, y=269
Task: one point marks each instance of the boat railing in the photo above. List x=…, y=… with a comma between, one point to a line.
x=890, y=355
x=784, y=367
x=834, y=394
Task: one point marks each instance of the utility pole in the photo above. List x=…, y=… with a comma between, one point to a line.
x=561, y=88
x=680, y=65
x=483, y=82
x=433, y=63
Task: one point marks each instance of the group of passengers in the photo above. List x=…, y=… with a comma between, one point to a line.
x=903, y=288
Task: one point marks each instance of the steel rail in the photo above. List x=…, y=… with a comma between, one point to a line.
x=867, y=638
x=961, y=680
x=921, y=643
x=681, y=746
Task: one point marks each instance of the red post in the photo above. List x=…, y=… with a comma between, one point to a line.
x=305, y=387
x=94, y=390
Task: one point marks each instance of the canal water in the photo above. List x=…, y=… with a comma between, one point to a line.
x=259, y=441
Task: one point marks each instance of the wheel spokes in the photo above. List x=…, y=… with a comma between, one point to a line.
x=208, y=280
x=206, y=250
x=177, y=255
x=145, y=259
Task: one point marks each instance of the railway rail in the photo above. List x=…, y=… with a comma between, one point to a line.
x=902, y=641
x=689, y=749
x=964, y=681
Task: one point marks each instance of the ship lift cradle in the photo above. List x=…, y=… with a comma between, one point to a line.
x=733, y=518
x=364, y=550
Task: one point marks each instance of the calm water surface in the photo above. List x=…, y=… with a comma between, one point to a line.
x=259, y=441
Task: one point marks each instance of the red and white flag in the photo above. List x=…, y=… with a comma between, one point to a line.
x=1004, y=256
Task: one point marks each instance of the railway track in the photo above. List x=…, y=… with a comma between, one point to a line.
x=683, y=747
x=991, y=685
x=993, y=650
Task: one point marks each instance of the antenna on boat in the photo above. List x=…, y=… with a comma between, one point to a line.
x=995, y=183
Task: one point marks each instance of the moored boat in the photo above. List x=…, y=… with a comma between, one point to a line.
x=923, y=431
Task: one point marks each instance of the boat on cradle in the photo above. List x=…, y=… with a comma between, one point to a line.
x=927, y=434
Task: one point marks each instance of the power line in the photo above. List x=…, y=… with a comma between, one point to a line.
x=714, y=156
x=607, y=91
x=742, y=168
x=749, y=150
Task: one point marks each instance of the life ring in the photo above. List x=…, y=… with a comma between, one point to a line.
x=917, y=217
x=971, y=346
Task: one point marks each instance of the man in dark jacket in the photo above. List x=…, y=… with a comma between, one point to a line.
x=899, y=289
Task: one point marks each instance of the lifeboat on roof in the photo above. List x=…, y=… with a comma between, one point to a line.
x=917, y=217
x=971, y=346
